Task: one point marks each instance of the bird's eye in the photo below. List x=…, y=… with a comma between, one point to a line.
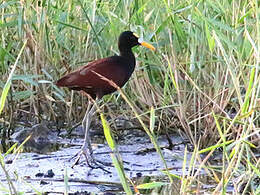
x=133, y=38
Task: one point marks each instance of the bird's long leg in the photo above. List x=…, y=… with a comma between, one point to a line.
x=86, y=148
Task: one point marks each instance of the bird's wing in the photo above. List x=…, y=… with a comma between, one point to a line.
x=112, y=68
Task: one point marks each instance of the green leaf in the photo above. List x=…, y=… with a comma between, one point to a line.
x=162, y=25
x=4, y=95
x=211, y=40
x=44, y=82
x=171, y=175
x=179, y=29
x=248, y=92
x=10, y=149
x=107, y=133
x=71, y=26
x=121, y=173
x=27, y=78
x=151, y=185
x=8, y=82
x=219, y=128
x=215, y=146
x=23, y=94
x=59, y=96
x=232, y=153
x=148, y=16
x=152, y=119
x=47, y=74
x=256, y=170
x=250, y=144
x=8, y=3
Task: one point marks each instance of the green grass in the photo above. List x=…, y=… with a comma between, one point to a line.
x=205, y=66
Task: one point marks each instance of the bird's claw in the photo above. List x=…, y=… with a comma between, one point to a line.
x=91, y=162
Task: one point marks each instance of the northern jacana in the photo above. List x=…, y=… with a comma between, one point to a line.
x=90, y=79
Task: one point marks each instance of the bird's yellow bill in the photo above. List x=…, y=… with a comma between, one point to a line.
x=147, y=45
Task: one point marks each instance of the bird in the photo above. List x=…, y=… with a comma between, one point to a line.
x=93, y=79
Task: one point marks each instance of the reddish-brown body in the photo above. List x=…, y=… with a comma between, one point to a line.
x=115, y=68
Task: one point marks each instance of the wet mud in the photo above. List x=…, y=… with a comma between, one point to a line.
x=44, y=172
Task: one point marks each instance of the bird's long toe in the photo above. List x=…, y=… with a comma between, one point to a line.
x=90, y=160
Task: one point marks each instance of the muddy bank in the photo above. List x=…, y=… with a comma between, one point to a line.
x=45, y=172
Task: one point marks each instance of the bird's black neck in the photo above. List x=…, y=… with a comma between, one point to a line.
x=128, y=54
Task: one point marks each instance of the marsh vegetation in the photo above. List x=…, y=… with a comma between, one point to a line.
x=201, y=83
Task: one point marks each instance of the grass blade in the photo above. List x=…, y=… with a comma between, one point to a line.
x=9, y=80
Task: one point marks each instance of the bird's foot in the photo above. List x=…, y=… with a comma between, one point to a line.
x=91, y=161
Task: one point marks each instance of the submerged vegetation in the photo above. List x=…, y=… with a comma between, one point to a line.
x=203, y=80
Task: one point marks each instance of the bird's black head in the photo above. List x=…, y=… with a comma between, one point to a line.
x=127, y=40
